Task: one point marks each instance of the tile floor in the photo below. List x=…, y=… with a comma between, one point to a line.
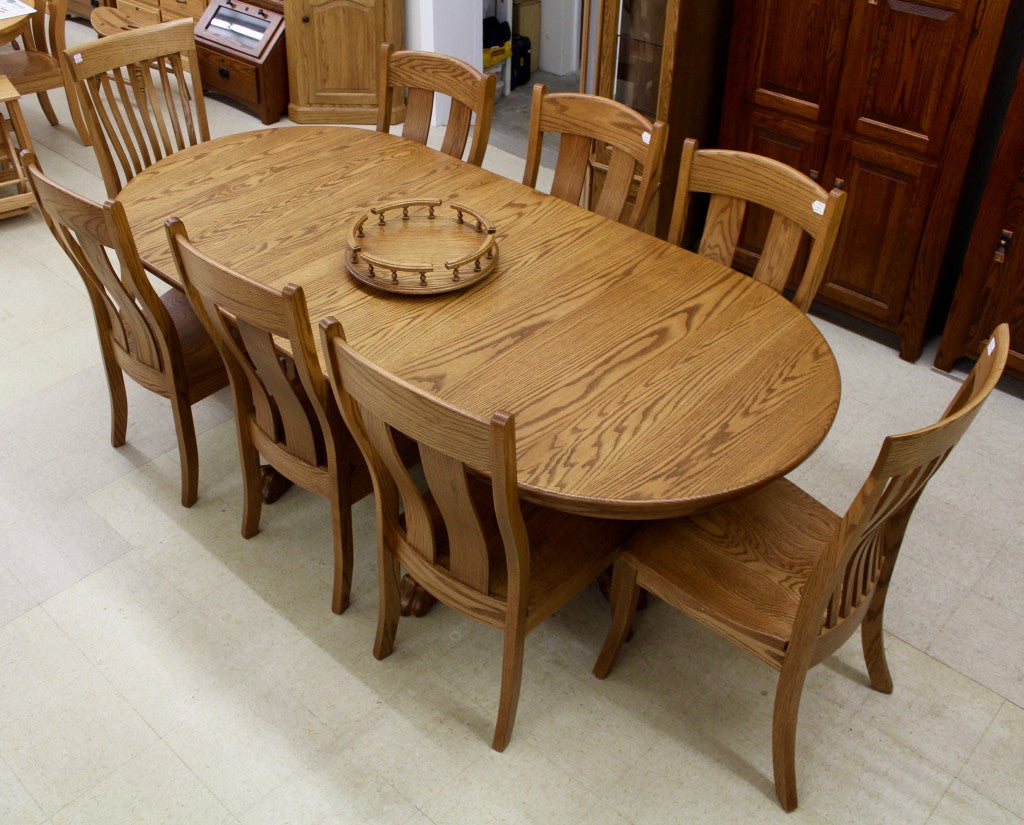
x=157, y=668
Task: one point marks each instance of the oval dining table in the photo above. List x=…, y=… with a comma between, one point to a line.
x=646, y=381
x=10, y=27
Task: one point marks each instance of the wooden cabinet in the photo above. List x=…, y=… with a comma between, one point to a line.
x=241, y=53
x=991, y=285
x=666, y=59
x=881, y=97
x=332, y=57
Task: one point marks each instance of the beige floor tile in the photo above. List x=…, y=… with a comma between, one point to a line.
x=962, y=805
x=997, y=764
x=116, y=607
x=15, y=599
x=54, y=542
x=983, y=641
x=66, y=744
x=37, y=660
x=424, y=734
x=155, y=787
x=339, y=788
x=1002, y=581
x=518, y=786
x=245, y=742
x=16, y=804
x=933, y=709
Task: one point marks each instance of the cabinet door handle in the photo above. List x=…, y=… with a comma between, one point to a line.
x=813, y=174
x=305, y=18
x=839, y=184
x=1001, y=248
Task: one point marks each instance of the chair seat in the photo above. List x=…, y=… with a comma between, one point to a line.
x=30, y=71
x=743, y=564
x=203, y=364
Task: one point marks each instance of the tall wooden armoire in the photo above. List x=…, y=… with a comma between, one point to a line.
x=332, y=57
x=991, y=285
x=881, y=97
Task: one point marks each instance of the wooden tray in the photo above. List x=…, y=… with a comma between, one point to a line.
x=421, y=252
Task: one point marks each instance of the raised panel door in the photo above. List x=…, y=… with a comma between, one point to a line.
x=332, y=56
x=888, y=195
x=902, y=72
x=786, y=56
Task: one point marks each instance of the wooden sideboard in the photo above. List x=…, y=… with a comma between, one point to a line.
x=332, y=57
x=882, y=97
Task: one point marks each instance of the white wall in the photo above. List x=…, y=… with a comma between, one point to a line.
x=560, y=35
x=446, y=27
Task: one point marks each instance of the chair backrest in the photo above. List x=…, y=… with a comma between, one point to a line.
x=798, y=206
x=863, y=552
x=127, y=309
x=45, y=32
x=286, y=399
x=587, y=124
x=425, y=73
x=141, y=102
x=452, y=445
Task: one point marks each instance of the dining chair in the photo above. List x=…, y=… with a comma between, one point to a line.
x=588, y=124
x=786, y=579
x=798, y=206
x=472, y=544
x=141, y=103
x=284, y=409
x=424, y=74
x=36, y=66
x=155, y=339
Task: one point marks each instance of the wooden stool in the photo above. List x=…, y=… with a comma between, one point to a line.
x=12, y=175
x=111, y=20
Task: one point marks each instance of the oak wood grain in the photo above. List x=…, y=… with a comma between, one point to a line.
x=646, y=380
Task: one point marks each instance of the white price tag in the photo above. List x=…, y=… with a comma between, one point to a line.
x=991, y=345
x=818, y=207
x=646, y=138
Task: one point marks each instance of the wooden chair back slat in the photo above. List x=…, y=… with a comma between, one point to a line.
x=141, y=102
x=419, y=107
x=572, y=167
x=586, y=122
x=722, y=228
x=467, y=545
x=798, y=206
x=422, y=74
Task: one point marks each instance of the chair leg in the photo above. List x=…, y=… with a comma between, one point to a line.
x=341, y=520
x=625, y=593
x=118, y=399
x=511, y=680
x=388, y=573
x=873, y=644
x=188, y=452
x=47, y=107
x=252, y=482
x=787, y=707
x=77, y=116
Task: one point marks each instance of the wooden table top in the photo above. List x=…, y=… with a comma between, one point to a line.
x=646, y=381
x=10, y=27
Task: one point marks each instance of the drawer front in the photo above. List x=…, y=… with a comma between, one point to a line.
x=177, y=9
x=232, y=77
x=140, y=14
